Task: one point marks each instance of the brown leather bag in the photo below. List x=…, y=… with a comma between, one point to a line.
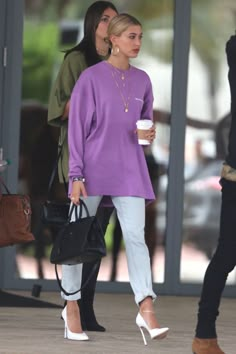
x=15, y=218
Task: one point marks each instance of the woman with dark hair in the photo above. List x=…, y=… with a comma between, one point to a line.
x=93, y=45
x=91, y=50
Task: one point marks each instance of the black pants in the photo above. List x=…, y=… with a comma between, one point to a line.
x=222, y=263
x=87, y=294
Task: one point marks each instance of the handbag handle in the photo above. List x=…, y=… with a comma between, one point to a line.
x=75, y=207
x=4, y=185
x=93, y=270
x=54, y=170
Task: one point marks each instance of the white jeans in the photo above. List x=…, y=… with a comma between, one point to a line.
x=131, y=214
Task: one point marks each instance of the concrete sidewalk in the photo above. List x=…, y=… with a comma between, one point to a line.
x=40, y=330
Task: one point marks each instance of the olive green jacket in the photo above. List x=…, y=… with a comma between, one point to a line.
x=70, y=70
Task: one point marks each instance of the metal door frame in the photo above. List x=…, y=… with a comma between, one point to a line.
x=2, y=77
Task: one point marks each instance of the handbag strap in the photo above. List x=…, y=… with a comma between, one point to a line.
x=4, y=185
x=75, y=207
x=93, y=270
x=54, y=170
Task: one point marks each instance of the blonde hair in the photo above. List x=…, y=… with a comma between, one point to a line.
x=119, y=24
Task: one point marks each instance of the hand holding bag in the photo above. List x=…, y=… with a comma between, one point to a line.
x=79, y=241
x=15, y=218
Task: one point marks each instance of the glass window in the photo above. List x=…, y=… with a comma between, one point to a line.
x=208, y=118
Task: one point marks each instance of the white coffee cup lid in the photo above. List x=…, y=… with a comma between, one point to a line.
x=144, y=123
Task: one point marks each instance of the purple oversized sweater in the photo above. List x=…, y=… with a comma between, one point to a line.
x=103, y=146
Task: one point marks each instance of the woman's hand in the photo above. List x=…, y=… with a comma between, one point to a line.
x=65, y=114
x=78, y=189
x=151, y=134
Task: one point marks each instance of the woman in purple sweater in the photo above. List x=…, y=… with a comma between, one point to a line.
x=107, y=161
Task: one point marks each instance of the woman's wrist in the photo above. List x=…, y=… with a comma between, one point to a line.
x=78, y=179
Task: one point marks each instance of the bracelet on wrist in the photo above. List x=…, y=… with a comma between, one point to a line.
x=78, y=179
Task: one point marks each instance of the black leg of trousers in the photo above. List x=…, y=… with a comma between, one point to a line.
x=222, y=263
x=87, y=294
x=103, y=216
x=117, y=239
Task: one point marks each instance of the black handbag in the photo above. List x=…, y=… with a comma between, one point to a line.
x=79, y=241
x=55, y=213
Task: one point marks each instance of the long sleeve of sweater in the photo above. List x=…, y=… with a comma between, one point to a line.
x=81, y=114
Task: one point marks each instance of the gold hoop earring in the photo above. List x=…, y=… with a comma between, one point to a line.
x=115, y=51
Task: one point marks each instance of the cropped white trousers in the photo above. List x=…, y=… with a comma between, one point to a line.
x=131, y=214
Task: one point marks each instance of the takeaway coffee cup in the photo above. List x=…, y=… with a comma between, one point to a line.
x=142, y=126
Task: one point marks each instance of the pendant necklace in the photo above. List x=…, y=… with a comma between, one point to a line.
x=124, y=100
x=122, y=75
x=117, y=71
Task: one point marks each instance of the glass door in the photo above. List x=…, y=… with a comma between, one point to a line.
x=49, y=29
x=206, y=140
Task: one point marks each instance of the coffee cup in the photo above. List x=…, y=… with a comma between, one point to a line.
x=142, y=126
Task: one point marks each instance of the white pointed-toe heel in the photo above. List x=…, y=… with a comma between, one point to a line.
x=155, y=333
x=71, y=335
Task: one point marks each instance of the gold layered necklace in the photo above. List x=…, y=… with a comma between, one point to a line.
x=115, y=73
x=119, y=73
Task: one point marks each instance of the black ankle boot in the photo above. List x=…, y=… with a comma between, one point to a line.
x=88, y=318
